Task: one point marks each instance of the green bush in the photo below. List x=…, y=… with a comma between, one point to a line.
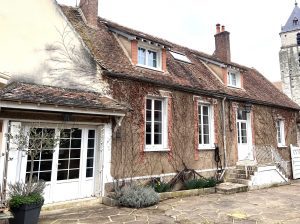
x=19, y=200
x=200, y=183
x=26, y=194
x=137, y=197
x=160, y=187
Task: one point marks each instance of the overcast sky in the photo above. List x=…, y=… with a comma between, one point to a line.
x=254, y=25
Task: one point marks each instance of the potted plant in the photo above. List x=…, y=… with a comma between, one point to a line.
x=26, y=198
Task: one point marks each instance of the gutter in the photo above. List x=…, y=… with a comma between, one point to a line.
x=215, y=94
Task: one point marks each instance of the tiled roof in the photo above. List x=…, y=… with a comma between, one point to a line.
x=49, y=95
x=290, y=25
x=109, y=54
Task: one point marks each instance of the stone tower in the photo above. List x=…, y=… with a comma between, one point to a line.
x=289, y=55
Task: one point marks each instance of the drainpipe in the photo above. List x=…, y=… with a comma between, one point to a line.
x=224, y=137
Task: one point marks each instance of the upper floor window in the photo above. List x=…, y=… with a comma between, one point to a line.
x=298, y=38
x=280, y=133
x=234, y=79
x=156, y=124
x=205, y=126
x=149, y=57
x=295, y=21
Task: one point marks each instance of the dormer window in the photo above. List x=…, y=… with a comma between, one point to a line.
x=295, y=21
x=234, y=79
x=149, y=57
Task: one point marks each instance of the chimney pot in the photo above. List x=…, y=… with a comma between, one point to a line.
x=223, y=28
x=218, y=28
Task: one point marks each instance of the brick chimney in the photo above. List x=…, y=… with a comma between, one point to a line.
x=89, y=9
x=222, y=44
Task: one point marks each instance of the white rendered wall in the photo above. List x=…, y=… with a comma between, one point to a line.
x=32, y=48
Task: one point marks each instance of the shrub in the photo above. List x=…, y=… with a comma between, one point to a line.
x=160, y=187
x=17, y=201
x=25, y=193
x=200, y=183
x=137, y=197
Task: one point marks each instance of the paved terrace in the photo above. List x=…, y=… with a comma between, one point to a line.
x=278, y=205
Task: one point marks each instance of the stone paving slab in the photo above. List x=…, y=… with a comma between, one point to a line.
x=278, y=205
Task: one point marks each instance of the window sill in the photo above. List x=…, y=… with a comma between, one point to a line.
x=148, y=67
x=206, y=148
x=157, y=150
x=235, y=87
x=282, y=146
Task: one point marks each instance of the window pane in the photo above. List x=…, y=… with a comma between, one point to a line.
x=148, y=127
x=91, y=133
x=46, y=154
x=90, y=153
x=73, y=174
x=205, y=129
x=74, y=163
x=89, y=172
x=89, y=162
x=152, y=58
x=157, y=115
x=45, y=165
x=63, y=164
x=75, y=153
x=35, y=166
x=205, y=111
x=200, y=138
x=206, y=139
x=91, y=143
x=148, y=139
x=148, y=115
x=62, y=175
x=63, y=154
x=148, y=104
x=157, y=105
x=142, y=56
x=242, y=115
x=46, y=176
x=157, y=139
x=244, y=139
x=64, y=143
x=65, y=133
x=157, y=128
x=205, y=120
x=76, y=133
x=76, y=143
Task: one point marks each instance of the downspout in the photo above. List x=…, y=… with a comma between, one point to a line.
x=4, y=183
x=224, y=137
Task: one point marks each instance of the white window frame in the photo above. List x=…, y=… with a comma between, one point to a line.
x=211, y=123
x=280, y=131
x=237, y=78
x=158, y=55
x=164, y=145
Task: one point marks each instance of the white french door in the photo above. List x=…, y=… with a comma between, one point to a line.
x=244, y=136
x=69, y=168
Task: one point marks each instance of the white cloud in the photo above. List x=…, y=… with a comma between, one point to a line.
x=254, y=25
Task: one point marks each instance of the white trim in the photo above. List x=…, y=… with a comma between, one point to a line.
x=55, y=108
x=164, y=123
x=237, y=78
x=148, y=47
x=282, y=133
x=211, y=123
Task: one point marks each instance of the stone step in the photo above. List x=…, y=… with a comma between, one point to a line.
x=239, y=181
x=239, y=176
x=249, y=168
x=231, y=188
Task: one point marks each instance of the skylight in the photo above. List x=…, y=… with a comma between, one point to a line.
x=180, y=57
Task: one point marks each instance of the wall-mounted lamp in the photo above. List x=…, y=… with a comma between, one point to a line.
x=248, y=107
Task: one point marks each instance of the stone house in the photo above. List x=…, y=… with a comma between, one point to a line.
x=140, y=107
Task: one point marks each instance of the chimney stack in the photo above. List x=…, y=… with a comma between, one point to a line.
x=222, y=43
x=89, y=9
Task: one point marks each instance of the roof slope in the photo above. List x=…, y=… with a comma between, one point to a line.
x=290, y=25
x=109, y=54
x=49, y=95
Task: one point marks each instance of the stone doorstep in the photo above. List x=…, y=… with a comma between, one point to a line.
x=72, y=204
x=231, y=188
x=168, y=195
